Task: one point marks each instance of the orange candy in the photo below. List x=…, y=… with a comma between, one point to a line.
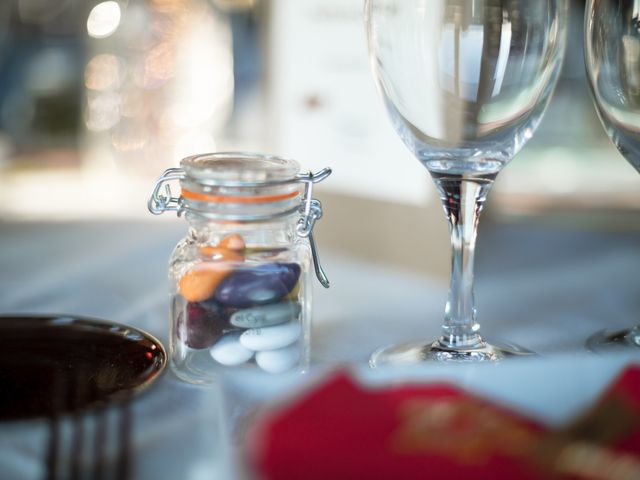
x=233, y=242
x=200, y=281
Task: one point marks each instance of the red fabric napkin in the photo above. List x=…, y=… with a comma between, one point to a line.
x=340, y=430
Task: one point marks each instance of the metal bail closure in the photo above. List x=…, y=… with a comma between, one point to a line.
x=311, y=211
x=159, y=203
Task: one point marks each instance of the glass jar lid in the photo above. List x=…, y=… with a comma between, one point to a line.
x=240, y=186
x=236, y=168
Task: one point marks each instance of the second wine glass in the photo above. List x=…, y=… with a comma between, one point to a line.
x=465, y=83
x=612, y=58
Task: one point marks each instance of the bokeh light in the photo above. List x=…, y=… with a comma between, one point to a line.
x=104, y=72
x=102, y=111
x=129, y=135
x=204, y=74
x=157, y=66
x=104, y=19
x=133, y=104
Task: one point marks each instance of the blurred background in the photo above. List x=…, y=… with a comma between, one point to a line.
x=97, y=98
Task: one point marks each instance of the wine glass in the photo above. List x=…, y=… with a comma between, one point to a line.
x=612, y=58
x=465, y=83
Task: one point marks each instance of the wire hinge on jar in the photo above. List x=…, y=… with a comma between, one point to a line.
x=311, y=211
x=159, y=203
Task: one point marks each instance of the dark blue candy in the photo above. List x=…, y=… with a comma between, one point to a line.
x=258, y=285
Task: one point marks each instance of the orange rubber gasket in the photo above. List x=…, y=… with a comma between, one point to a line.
x=203, y=197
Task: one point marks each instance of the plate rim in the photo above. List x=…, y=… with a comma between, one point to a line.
x=115, y=397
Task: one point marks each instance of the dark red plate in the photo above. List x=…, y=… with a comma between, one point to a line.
x=52, y=365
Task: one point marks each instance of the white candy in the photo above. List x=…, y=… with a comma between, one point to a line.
x=271, y=338
x=280, y=360
x=229, y=351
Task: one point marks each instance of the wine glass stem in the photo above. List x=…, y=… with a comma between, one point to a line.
x=463, y=199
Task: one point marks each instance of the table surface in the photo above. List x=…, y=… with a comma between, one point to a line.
x=543, y=287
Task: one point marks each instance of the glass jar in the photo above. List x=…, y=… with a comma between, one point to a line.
x=240, y=288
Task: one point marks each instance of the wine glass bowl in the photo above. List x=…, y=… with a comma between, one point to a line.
x=612, y=60
x=465, y=84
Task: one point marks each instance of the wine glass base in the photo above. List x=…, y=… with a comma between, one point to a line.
x=415, y=353
x=608, y=341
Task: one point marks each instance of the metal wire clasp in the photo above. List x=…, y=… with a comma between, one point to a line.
x=311, y=211
x=159, y=203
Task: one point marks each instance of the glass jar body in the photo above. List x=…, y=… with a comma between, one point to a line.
x=240, y=298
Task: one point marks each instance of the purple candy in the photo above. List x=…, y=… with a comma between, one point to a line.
x=259, y=285
x=205, y=324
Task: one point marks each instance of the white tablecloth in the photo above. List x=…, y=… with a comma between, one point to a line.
x=542, y=287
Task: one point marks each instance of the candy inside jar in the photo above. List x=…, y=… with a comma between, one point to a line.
x=241, y=295
x=242, y=307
